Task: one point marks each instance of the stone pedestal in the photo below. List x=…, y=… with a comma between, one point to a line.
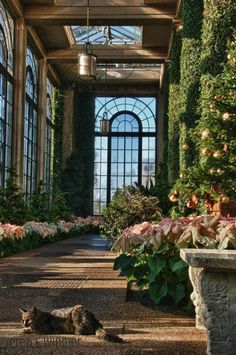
x=216, y=296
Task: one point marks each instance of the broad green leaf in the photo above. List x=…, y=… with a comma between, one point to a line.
x=123, y=261
x=156, y=264
x=163, y=247
x=157, y=291
x=179, y=265
x=177, y=292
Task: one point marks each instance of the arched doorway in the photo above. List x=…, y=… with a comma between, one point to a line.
x=127, y=154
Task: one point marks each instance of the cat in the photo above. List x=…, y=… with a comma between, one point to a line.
x=72, y=320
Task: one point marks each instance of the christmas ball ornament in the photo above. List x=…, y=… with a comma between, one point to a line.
x=208, y=204
x=217, y=154
x=195, y=198
x=213, y=171
x=185, y=146
x=191, y=204
x=213, y=187
x=233, y=142
x=226, y=116
x=225, y=199
x=173, y=197
x=226, y=148
x=218, y=97
x=219, y=171
x=206, y=152
x=228, y=56
x=212, y=108
x=206, y=133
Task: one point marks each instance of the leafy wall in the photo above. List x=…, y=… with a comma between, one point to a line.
x=78, y=175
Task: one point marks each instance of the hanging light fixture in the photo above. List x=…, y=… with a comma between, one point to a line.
x=105, y=122
x=87, y=60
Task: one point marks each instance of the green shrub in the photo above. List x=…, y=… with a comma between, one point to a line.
x=128, y=207
x=161, y=271
x=13, y=208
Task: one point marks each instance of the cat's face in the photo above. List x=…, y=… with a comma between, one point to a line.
x=28, y=317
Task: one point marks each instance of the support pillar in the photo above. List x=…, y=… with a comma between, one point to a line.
x=19, y=98
x=42, y=119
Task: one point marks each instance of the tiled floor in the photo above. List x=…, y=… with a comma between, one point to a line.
x=79, y=271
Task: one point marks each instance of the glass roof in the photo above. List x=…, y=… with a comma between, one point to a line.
x=108, y=34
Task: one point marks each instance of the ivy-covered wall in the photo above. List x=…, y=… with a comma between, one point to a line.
x=58, y=139
x=190, y=73
x=219, y=17
x=173, y=109
x=78, y=175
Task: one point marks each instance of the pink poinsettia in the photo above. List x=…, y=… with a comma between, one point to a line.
x=11, y=231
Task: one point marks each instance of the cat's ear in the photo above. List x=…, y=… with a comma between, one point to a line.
x=34, y=310
x=22, y=310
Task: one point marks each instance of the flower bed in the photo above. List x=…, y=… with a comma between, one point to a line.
x=150, y=252
x=33, y=234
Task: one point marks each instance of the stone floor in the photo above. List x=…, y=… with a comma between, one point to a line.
x=79, y=270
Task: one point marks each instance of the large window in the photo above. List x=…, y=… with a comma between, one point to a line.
x=49, y=136
x=127, y=154
x=31, y=122
x=6, y=92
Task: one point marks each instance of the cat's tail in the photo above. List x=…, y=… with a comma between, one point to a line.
x=103, y=334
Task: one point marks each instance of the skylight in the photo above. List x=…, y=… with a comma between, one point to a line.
x=108, y=34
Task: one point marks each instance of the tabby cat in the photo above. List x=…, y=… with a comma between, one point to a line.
x=75, y=320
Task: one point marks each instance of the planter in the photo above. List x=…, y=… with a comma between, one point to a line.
x=224, y=209
x=194, y=275
x=217, y=295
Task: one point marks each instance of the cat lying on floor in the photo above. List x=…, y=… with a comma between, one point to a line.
x=75, y=320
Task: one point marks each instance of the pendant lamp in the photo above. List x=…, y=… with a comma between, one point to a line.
x=86, y=59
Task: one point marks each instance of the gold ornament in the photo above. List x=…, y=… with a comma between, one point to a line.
x=231, y=93
x=226, y=148
x=217, y=154
x=225, y=199
x=218, y=97
x=172, y=197
x=181, y=175
x=212, y=108
x=228, y=56
x=212, y=171
x=233, y=142
x=185, y=146
x=206, y=152
x=191, y=204
x=226, y=116
x=206, y=133
x=219, y=171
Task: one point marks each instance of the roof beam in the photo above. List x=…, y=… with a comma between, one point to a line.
x=40, y=2
x=110, y=54
x=99, y=15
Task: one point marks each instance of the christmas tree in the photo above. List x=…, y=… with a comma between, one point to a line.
x=213, y=177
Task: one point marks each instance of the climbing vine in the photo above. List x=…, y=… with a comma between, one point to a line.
x=78, y=175
x=190, y=72
x=173, y=109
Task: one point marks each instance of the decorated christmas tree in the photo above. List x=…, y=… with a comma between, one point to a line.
x=213, y=178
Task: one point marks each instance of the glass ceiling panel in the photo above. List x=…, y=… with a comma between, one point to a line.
x=108, y=34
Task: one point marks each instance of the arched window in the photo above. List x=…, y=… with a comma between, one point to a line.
x=31, y=122
x=49, y=135
x=6, y=92
x=127, y=154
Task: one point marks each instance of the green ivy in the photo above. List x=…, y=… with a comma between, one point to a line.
x=190, y=72
x=174, y=104
x=58, y=110
x=78, y=175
